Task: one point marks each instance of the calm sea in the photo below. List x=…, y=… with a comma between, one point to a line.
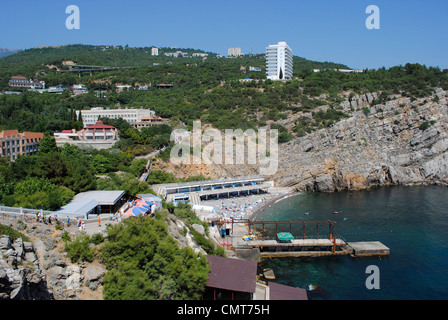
x=411, y=221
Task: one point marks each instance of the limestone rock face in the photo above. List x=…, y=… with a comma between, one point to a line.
x=400, y=141
x=21, y=277
x=388, y=146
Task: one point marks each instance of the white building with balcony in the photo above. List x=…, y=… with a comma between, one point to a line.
x=97, y=136
x=133, y=116
x=279, y=61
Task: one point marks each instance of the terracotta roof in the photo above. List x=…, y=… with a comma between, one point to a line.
x=26, y=134
x=18, y=78
x=5, y=133
x=33, y=135
x=99, y=126
x=232, y=274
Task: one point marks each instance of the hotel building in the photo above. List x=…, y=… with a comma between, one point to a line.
x=137, y=118
x=22, y=82
x=279, y=61
x=234, y=52
x=97, y=136
x=14, y=143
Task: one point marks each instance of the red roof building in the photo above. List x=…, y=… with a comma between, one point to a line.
x=279, y=291
x=98, y=136
x=22, y=82
x=230, y=279
x=99, y=126
x=14, y=143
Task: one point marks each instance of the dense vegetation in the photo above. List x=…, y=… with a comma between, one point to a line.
x=144, y=263
x=208, y=90
x=12, y=233
x=54, y=175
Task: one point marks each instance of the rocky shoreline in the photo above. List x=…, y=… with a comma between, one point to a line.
x=400, y=141
x=403, y=141
x=39, y=269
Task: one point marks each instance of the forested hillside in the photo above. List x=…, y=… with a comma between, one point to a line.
x=209, y=90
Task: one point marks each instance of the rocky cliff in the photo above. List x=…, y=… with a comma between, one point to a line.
x=40, y=269
x=399, y=141
x=21, y=277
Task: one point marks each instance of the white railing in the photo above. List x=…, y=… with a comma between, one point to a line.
x=19, y=213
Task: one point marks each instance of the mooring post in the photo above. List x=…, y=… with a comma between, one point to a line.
x=304, y=233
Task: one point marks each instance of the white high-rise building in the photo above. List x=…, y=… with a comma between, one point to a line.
x=234, y=52
x=154, y=51
x=279, y=61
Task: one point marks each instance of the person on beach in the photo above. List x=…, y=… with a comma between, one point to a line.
x=99, y=221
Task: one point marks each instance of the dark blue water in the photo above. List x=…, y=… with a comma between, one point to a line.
x=411, y=221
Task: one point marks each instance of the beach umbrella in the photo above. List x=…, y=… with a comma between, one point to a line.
x=135, y=211
x=144, y=204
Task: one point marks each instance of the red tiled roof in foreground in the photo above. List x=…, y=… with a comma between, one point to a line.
x=281, y=292
x=232, y=274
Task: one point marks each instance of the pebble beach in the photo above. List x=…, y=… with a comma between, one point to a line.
x=246, y=207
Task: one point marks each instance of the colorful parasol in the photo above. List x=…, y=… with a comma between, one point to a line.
x=135, y=211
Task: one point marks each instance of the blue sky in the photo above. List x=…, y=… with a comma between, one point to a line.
x=324, y=30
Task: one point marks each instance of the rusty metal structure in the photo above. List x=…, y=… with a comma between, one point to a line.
x=309, y=234
x=300, y=229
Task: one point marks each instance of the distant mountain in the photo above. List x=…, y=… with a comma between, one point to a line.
x=7, y=52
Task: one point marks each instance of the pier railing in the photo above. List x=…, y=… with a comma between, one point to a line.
x=268, y=230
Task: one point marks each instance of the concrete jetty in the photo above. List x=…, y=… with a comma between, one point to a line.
x=367, y=248
x=313, y=245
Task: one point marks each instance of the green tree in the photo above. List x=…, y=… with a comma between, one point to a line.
x=39, y=192
x=159, y=176
x=79, y=249
x=145, y=263
x=47, y=145
x=101, y=164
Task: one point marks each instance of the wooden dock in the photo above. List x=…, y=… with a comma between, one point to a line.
x=297, y=243
x=311, y=239
x=318, y=248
